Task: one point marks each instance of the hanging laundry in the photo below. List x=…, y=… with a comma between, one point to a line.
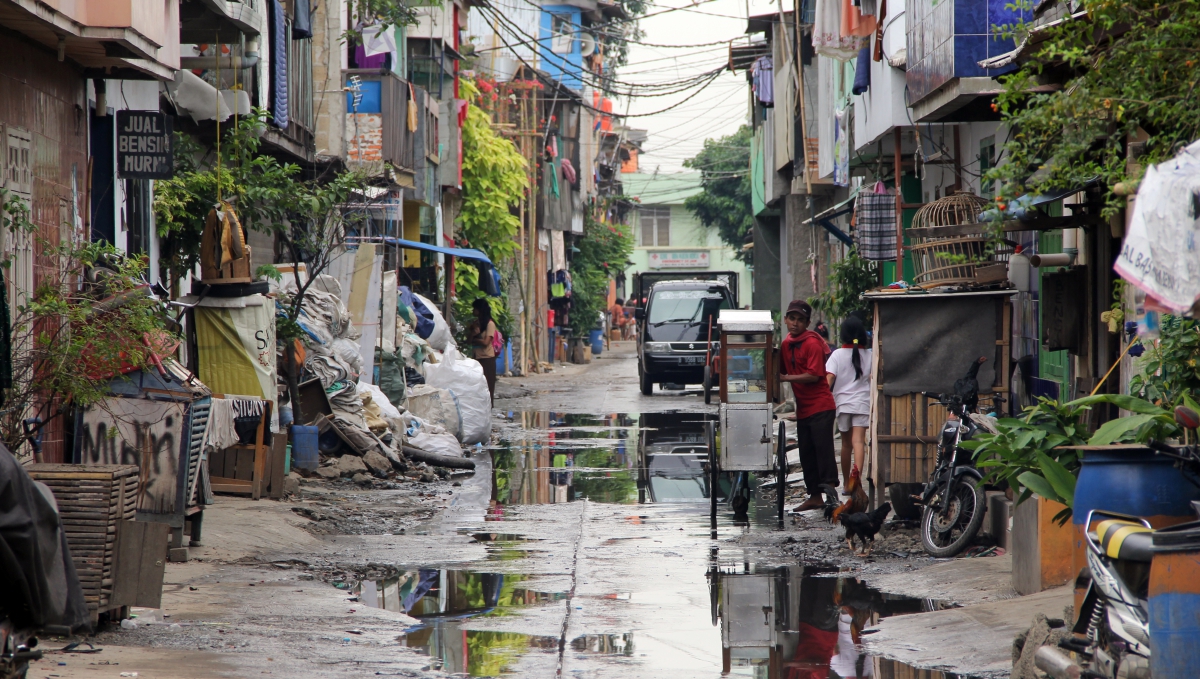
x=862, y=71
x=558, y=251
x=841, y=147
x=877, y=53
x=763, y=77
x=855, y=23
x=279, y=65
x=412, y=109
x=875, y=219
x=568, y=171
x=827, y=38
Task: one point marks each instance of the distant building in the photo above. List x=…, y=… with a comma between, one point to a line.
x=668, y=237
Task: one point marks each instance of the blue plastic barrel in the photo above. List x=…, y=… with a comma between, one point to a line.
x=305, y=450
x=1175, y=603
x=1133, y=480
x=597, y=339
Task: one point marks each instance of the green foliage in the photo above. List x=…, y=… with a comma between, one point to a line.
x=1026, y=452
x=1170, y=368
x=69, y=339
x=384, y=13
x=268, y=196
x=724, y=202
x=603, y=251
x=849, y=278
x=1029, y=455
x=1128, y=66
x=494, y=181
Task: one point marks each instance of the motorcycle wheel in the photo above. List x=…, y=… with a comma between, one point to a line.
x=707, y=384
x=942, y=539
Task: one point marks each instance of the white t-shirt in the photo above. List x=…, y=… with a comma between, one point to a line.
x=851, y=395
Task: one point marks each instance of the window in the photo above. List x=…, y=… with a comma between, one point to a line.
x=138, y=211
x=656, y=226
x=561, y=34
x=987, y=160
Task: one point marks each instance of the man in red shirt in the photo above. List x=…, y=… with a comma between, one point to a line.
x=803, y=355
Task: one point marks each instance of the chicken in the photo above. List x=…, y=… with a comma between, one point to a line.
x=831, y=499
x=967, y=386
x=864, y=526
x=857, y=502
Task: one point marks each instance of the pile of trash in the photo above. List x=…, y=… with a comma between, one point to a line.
x=424, y=402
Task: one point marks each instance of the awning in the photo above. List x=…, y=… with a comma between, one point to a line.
x=489, y=278
x=461, y=253
x=823, y=218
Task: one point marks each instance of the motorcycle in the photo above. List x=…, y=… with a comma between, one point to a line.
x=1114, y=619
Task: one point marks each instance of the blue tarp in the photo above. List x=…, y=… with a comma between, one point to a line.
x=489, y=278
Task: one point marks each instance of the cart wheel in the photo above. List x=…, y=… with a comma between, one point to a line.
x=707, y=384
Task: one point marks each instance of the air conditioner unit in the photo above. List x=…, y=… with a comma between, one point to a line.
x=587, y=44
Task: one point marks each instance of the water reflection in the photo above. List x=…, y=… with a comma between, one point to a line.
x=558, y=457
x=443, y=600
x=794, y=623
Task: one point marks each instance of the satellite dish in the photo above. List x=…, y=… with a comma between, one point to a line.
x=587, y=44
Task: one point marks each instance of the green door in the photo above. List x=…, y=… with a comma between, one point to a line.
x=1053, y=365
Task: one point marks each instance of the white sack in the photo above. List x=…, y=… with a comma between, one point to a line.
x=441, y=335
x=464, y=378
x=436, y=406
x=380, y=399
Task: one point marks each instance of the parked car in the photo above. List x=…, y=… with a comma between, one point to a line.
x=677, y=325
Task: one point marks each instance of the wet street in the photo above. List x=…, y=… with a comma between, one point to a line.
x=581, y=546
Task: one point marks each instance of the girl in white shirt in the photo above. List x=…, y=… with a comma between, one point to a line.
x=849, y=375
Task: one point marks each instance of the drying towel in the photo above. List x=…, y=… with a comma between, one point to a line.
x=221, y=433
x=828, y=39
x=875, y=217
x=862, y=71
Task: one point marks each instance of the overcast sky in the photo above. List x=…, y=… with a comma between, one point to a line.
x=679, y=133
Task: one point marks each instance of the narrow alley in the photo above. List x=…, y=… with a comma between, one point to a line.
x=581, y=546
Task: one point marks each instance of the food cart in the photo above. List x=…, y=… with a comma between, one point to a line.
x=748, y=389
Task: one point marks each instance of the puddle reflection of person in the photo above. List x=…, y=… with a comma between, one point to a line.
x=830, y=641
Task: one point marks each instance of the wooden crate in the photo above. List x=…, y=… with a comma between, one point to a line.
x=93, y=502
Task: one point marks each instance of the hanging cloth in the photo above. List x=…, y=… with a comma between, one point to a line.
x=875, y=219
x=279, y=72
x=855, y=24
x=827, y=37
x=6, y=368
x=877, y=54
x=763, y=77
x=412, y=109
x=302, y=20
x=862, y=71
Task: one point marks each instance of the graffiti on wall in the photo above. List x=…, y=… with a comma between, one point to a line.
x=140, y=432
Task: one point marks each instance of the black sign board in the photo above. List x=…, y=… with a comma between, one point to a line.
x=144, y=147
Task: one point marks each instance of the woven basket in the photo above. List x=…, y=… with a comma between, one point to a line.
x=952, y=260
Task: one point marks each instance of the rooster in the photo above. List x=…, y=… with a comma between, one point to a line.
x=857, y=502
x=864, y=526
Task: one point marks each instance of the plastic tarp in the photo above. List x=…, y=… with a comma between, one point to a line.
x=464, y=378
x=41, y=586
x=1161, y=253
x=489, y=278
x=236, y=347
x=424, y=317
x=928, y=343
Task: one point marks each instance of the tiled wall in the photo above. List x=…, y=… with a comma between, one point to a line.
x=947, y=39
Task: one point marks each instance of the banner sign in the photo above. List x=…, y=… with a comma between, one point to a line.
x=144, y=145
x=679, y=260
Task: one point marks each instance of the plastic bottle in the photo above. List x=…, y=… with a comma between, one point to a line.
x=1018, y=269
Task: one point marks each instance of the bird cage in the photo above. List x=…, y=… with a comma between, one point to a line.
x=948, y=260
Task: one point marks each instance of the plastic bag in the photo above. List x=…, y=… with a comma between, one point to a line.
x=349, y=352
x=441, y=336
x=442, y=444
x=436, y=406
x=464, y=378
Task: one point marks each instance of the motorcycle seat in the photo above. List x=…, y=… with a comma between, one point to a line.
x=1125, y=540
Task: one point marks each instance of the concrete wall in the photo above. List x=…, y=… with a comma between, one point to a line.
x=687, y=233
x=329, y=102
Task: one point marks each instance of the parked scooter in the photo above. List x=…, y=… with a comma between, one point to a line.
x=1114, y=617
x=953, y=497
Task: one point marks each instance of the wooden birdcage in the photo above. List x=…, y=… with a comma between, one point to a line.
x=950, y=260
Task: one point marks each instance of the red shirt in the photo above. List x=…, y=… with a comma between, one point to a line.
x=802, y=355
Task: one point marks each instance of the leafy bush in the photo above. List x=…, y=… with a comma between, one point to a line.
x=1170, y=369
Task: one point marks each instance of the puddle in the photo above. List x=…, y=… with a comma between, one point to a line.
x=778, y=620
x=445, y=600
